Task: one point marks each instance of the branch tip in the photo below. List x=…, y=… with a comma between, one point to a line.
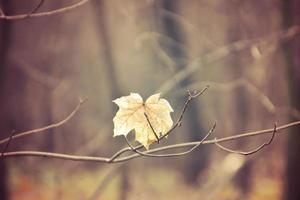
x=82, y=100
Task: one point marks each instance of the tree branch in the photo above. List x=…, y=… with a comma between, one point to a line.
x=33, y=13
x=126, y=158
x=206, y=142
x=144, y=153
x=38, y=130
x=8, y=142
x=246, y=153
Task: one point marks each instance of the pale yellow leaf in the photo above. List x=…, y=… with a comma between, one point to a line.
x=131, y=116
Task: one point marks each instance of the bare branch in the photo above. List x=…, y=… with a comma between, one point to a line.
x=190, y=98
x=126, y=158
x=206, y=142
x=38, y=130
x=246, y=153
x=187, y=102
x=42, y=14
x=234, y=84
x=120, y=152
x=172, y=154
x=263, y=99
x=8, y=142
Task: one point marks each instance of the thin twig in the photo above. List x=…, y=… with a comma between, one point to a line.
x=148, y=120
x=38, y=130
x=144, y=153
x=246, y=153
x=187, y=102
x=234, y=84
x=1, y=12
x=190, y=98
x=46, y=13
x=36, y=8
x=133, y=148
x=8, y=142
x=160, y=149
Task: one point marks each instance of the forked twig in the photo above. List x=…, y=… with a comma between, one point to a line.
x=144, y=153
x=190, y=98
x=245, y=153
x=8, y=142
x=187, y=102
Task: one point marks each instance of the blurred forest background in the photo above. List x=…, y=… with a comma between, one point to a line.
x=248, y=51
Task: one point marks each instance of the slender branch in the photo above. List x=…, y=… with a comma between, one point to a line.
x=120, y=152
x=55, y=155
x=263, y=99
x=234, y=84
x=133, y=148
x=246, y=153
x=187, y=102
x=51, y=126
x=172, y=154
x=190, y=98
x=206, y=142
x=126, y=158
x=42, y=14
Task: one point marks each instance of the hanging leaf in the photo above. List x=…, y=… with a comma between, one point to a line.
x=133, y=114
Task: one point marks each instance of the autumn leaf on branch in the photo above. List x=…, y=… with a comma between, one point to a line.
x=146, y=119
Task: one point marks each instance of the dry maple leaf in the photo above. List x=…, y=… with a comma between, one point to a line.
x=131, y=116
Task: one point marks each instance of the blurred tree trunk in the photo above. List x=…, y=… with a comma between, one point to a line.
x=243, y=176
x=5, y=30
x=292, y=17
x=4, y=42
x=107, y=52
x=196, y=162
x=112, y=81
x=240, y=100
